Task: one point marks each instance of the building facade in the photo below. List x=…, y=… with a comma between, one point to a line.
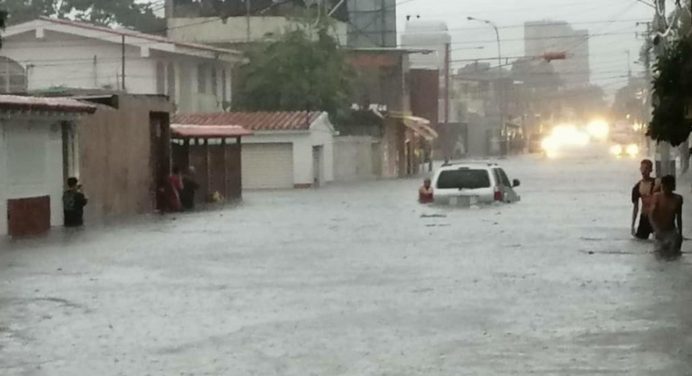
x=541, y=37
x=35, y=161
x=236, y=25
x=372, y=23
x=65, y=54
x=286, y=149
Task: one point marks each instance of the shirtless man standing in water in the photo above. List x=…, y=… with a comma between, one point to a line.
x=643, y=192
x=666, y=218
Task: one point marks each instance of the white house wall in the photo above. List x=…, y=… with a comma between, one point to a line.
x=303, y=143
x=31, y=165
x=60, y=59
x=322, y=133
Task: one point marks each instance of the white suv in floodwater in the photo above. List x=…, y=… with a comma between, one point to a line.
x=472, y=184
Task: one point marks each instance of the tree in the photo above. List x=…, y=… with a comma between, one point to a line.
x=129, y=13
x=296, y=73
x=673, y=80
x=671, y=94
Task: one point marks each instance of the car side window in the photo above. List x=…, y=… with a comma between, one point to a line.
x=504, y=178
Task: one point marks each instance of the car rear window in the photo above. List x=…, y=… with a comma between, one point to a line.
x=463, y=179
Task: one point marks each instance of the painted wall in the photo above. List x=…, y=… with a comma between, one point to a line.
x=354, y=158
x=30, y=163
x=320, y=134
x=115, y=155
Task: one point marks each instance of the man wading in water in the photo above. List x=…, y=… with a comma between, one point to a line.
x=666, y=219
x=643, y=191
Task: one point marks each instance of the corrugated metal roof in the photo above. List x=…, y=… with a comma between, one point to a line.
x=56, y=104
x=208, y=131
x=256, y=121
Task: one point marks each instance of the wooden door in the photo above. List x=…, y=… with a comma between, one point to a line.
x=28, y=216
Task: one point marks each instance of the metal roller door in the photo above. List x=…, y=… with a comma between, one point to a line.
x=267, y=166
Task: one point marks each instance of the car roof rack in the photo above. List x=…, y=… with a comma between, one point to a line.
x=470, y=163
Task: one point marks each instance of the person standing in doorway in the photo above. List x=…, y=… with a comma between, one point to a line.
x=175, y=188
x=642, y=199
x=190, y=187
x=73, y=201
x=666, y=218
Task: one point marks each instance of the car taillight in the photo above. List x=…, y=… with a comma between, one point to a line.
x=498, y=195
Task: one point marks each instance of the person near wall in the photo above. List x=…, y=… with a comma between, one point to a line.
x=73, y=201
x=190, y=187
x=174, y=189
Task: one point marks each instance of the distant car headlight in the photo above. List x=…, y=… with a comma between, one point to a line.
x=599, y=130
x=616, y=149
x=632, y=150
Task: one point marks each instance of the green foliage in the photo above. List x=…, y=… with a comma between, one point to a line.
x=671, y=87
x=130, y=13
x=296, y=72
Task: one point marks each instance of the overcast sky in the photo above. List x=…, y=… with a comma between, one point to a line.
x=617, y=18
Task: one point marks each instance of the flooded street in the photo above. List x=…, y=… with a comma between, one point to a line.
x=359, y=280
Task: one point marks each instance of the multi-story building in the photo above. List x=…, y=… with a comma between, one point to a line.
x=236, y=24
x=541, y=37
x=372, y=23
x=49, y=53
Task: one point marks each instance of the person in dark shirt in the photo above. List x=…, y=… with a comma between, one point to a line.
x=643, y=192
x=190, y=187
x=73, y=201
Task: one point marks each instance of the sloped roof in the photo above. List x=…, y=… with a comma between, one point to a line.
x=208, y=131
x=26, y=103
x=256, y=121
x=133, y=37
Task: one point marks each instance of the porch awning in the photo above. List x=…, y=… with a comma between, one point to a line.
x=208, y=131
x=419, y=125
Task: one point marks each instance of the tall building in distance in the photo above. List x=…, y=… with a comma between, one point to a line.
x=434, y=36
x=372, y=23
x=542, y=37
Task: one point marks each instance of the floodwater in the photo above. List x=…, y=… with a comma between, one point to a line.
x=357, y=280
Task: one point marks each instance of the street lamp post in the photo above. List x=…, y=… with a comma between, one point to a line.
x=500, y=89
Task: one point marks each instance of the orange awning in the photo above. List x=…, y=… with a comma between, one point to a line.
x=419, y=125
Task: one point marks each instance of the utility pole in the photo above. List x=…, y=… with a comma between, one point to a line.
x=504, y=143
x=122, y=55
x=629, y=67
x=248, y=10
x=448, y=59
x=168, y=9
x=383, y=23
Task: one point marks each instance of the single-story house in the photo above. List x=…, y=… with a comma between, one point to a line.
x=286, y=150
x=214, y=152
x=34, y=161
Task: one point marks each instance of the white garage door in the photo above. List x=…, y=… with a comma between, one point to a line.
x=267, y=166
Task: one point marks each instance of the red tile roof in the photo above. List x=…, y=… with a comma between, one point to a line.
x=256, y=121
x=55, y=104
x=209, y=131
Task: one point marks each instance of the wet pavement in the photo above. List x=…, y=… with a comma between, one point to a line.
x=358, y=280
